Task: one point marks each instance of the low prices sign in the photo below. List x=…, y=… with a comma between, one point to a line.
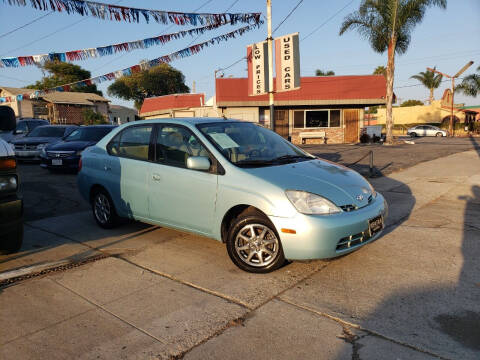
x=287, y=59
x=257, y=60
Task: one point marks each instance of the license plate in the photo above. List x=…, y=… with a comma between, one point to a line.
x=375, y=225
x=57, y=162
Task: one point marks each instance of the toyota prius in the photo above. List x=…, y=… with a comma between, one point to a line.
x=266, y=199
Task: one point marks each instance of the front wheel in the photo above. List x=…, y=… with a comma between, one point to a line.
x=254, y=245
x=439, y=134
x=104, y=210
x=13, y=241
x=413, y=134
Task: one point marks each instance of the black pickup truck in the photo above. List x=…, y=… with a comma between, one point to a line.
x=11, y=204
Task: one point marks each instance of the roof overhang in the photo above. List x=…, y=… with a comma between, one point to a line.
x=364, y=102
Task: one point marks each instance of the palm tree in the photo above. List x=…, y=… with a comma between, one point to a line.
x=430, y=80
x=470, y=85
x=380, y=70
x=387, y=25
x=319, y=72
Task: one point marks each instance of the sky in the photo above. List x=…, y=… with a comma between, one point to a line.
x=447, y=39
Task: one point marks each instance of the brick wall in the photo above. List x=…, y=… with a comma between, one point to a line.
x=334, y=136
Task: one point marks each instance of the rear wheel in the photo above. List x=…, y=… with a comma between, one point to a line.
x=253, y=243
x=104, y=209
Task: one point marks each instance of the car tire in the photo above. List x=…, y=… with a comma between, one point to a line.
x=413, y=134
x=104, y=210
x=438, y=134
x=253, y=243
x=13, y=242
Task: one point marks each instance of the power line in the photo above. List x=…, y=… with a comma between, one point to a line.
x=325, y=22
x=25, y=25
x=12, y=78
x=286, y=17
x=231, y=6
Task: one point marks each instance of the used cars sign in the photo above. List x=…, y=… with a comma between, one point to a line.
x=287, y=58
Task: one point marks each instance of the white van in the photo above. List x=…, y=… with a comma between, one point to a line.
x=11, y=205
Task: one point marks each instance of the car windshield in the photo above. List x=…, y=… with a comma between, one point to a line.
x=249, y=145
x=88, y=134
x=47, y=131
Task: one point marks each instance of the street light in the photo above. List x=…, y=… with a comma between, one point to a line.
x=460, y=72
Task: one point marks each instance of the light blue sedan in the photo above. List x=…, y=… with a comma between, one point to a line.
x=235, y=182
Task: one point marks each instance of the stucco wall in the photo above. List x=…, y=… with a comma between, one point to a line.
x=418, y=114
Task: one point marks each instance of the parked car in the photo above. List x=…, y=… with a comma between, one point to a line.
x=11, y=204
x=234, y=181
x=30, y=146
x=23, y=127
x=426, y=130
x=66, y=154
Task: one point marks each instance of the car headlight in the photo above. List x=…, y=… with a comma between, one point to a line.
x=8, y=183
x=41, y=146
x=311, y=204
x=374, y=193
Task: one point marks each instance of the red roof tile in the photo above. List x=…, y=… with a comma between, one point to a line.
x=363, y=89
x=173, y=101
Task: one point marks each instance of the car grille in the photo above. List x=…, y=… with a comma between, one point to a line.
x=59, y=154
x=25, y=147
x=352, y=241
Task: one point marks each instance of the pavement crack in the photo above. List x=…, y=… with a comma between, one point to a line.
x=351, y=338
x=103, y=308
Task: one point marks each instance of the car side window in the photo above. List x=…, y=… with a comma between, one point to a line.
x=22, y=126
x=175, y=144
x=133, y=142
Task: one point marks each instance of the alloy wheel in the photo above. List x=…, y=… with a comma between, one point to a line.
x=102, y=208
x=257, y=245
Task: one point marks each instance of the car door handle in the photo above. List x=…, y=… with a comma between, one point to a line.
x=107, y=168
x=156, y=177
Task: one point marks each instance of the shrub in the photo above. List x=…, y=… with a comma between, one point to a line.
x=91, y=117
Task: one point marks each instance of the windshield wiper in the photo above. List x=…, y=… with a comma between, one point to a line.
x=292, y=157
x=255, y=162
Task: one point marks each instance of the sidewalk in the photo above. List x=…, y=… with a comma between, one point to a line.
x=158, y=293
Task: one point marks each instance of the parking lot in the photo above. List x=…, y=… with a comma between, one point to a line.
x=141, y=291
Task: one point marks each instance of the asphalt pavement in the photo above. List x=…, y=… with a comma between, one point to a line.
x=144, y=292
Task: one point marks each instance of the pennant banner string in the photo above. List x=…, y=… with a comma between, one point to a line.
x=145, y=65
x=83, y=54
x=123, y=13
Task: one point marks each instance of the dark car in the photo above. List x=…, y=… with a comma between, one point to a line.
x=66, y=153
x=30, y=146
x=11, y=204
x=24, y=126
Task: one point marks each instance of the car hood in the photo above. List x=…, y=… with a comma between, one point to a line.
x=35, y=140
x=70, y=145
x=335, y=182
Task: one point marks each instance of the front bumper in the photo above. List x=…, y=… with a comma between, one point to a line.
x=27, y=154
x=323, y=237
x=11, y=217
x=70, y=162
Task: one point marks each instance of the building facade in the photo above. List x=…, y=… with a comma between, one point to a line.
x=325, y=109
x=56, y=107
x=119, y=115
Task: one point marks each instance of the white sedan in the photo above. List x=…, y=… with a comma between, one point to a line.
x=426, y=130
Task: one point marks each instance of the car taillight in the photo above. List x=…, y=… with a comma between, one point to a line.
x=80, y=164
x=8, y=164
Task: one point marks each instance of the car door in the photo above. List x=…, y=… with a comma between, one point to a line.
x=178, y=196
x=128, y=168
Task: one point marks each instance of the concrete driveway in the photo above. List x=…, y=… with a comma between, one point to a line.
x=147, y=292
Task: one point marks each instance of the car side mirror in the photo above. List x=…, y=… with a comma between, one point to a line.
x=198, y=163
x=18, y=132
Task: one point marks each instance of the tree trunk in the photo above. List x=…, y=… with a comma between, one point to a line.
x=390, y=76
x=431, y=96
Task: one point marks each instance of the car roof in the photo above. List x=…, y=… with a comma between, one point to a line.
x=32, y=119
x=187, y=121
x=98, y=126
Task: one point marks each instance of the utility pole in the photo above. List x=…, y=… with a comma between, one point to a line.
x=451, y=129
x=270, y=64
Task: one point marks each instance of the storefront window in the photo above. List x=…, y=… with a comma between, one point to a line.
x=316, y=119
